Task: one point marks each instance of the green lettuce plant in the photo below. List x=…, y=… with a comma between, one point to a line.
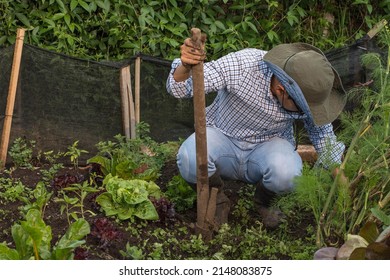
x=128, y=198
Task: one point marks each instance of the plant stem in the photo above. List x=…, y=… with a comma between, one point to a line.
x=332, y=191
x=36, y=254
x=386, y=199
x=378, y=164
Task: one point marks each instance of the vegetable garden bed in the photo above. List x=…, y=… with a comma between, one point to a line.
x=28, y=206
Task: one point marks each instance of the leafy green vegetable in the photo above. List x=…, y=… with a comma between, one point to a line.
x=128, y=198
x=181, y=194
x=32, y=239
x=71, y=240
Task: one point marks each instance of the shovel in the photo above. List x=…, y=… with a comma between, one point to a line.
x=206, y=199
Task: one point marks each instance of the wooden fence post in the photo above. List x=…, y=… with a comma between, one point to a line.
x=11, y=96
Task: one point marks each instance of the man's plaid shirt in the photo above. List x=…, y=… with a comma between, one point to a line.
x=245, y=108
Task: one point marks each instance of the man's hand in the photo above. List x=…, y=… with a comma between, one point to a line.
x=192, y=52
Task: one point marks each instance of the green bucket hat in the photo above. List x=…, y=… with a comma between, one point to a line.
x=309, y=79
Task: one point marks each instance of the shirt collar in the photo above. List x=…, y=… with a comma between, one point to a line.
x=268, y=75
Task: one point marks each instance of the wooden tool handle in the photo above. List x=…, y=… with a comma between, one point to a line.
x=200, y=135
x=196, y=37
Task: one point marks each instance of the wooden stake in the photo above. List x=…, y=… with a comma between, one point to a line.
x=137, y=88
x=11, y=96
x=128, y=114
x=124, y=82
x=132, y=113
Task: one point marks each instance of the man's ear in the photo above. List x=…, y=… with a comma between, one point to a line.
x=279, y=89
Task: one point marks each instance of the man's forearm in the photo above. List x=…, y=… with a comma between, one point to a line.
x=182, y=73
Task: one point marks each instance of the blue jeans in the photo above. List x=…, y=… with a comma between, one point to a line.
x=275, y=162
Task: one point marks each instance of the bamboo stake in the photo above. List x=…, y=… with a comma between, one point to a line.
x=11, y=96
x=132, y=113
x=124, y=81
x=137, y=88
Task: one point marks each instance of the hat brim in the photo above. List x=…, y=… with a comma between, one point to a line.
x=331, y=108
x=321, y=114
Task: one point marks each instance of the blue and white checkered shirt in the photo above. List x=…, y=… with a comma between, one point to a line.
x=245, y=108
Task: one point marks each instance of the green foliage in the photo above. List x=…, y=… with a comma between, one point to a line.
x=128, y=198
x=32, y=239
x=74, y=153
x=342, y=207
x=116, y=29
x=381, y=216
x=181, y=194
x=41, y=198
x=21, y=152
x=71, y=240
x=132, y=253
x=312, y=189
x=51, y=158
x=245, y=204
x=73, y=198
x=257, y=243
x=130, y=158
x=12, y=190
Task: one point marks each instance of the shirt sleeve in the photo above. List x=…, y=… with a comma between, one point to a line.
x=325, y=142
x=215, y=78
x=178, y=89
x=223, y=73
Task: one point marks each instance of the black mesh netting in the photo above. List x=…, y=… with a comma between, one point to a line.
x=347, y=61
x=61, y=99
